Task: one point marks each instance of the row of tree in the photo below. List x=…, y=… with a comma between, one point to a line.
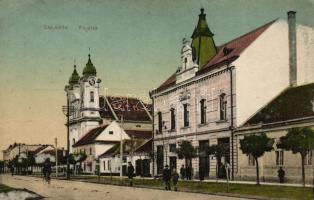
x=298, y=140
x=24, y=163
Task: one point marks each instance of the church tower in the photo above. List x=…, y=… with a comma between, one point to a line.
x=89, y=88
x=83, y=95
x=73, y=96
x=203, y=44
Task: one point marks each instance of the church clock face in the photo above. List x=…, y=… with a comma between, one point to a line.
x=92, y=81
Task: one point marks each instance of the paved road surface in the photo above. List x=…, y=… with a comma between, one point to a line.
x=68, y=190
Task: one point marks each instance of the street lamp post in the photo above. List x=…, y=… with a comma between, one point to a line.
x=56, y=146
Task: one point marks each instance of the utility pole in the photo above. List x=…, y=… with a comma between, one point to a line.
x=121, y=147
x=56, y=146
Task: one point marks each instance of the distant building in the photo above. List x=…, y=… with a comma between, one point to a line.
x=99, y=140
x=17, y=149
x=217, y=89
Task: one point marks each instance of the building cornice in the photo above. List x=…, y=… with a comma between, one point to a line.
x=276, y=126
x=190, y=81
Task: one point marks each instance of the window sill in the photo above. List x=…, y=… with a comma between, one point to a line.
x=185, y=127
x=172, y=130
x=221, y=121
x=202, y=124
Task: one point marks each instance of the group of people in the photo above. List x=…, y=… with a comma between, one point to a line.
x=169, y=176
x=186, y=172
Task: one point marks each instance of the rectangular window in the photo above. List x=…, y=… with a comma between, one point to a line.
x=159, y=122
x=251, y=160
x=279, y=157
x=104, y=165
x=203, y=111
x=185, y=115
x=173, y=118
x=109, y=165
x=110, y=132
x=92, y=96
x=172, y=148
x=223, y=107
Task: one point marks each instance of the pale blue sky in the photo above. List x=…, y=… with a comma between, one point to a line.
x=136, y=47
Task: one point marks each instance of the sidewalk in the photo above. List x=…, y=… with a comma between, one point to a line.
x=220, y=181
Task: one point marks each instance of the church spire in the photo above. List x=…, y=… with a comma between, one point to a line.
x=74, y=79
x=89, y=69
x=202, y=41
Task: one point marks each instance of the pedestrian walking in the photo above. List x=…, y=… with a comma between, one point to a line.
x=12, y=169
x=182, y=172
x=166, y=175
x=47, y=170
x=281, y=175
x=130, y=174
x=175, y=179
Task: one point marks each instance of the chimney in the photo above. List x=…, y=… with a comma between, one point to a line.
x=292, y=48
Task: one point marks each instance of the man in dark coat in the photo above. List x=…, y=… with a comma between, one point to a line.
x=281, y=175
x=130, y=173
x=47, y=170
x=182, y=172
x=188, y=172
x=166, y=175
x=175, y=179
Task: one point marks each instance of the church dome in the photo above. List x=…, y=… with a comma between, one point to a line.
x=74, y=79
x=89, y=69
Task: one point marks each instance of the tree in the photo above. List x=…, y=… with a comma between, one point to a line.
x=298, y=140
x=77, y=158
x=218, y=151
x=186, y=151
x=256, y=145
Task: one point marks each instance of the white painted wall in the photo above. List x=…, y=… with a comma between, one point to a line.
x=262, y=71
x=116, y=136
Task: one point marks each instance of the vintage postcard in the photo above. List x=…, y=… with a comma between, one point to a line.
x=147, y=99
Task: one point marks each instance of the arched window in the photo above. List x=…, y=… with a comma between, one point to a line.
x=185, y=115
x=159, y=122
x=91, y=96
x=185, y=62
x=173, y=118
x=203, y=111
x=223, y=106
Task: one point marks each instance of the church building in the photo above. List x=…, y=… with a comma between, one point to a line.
x=97, y=121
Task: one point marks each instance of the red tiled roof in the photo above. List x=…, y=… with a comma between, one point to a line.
x=227, y=52
x=131, y=108
x=139, y=134
x=293, y=103
x=90, y=136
